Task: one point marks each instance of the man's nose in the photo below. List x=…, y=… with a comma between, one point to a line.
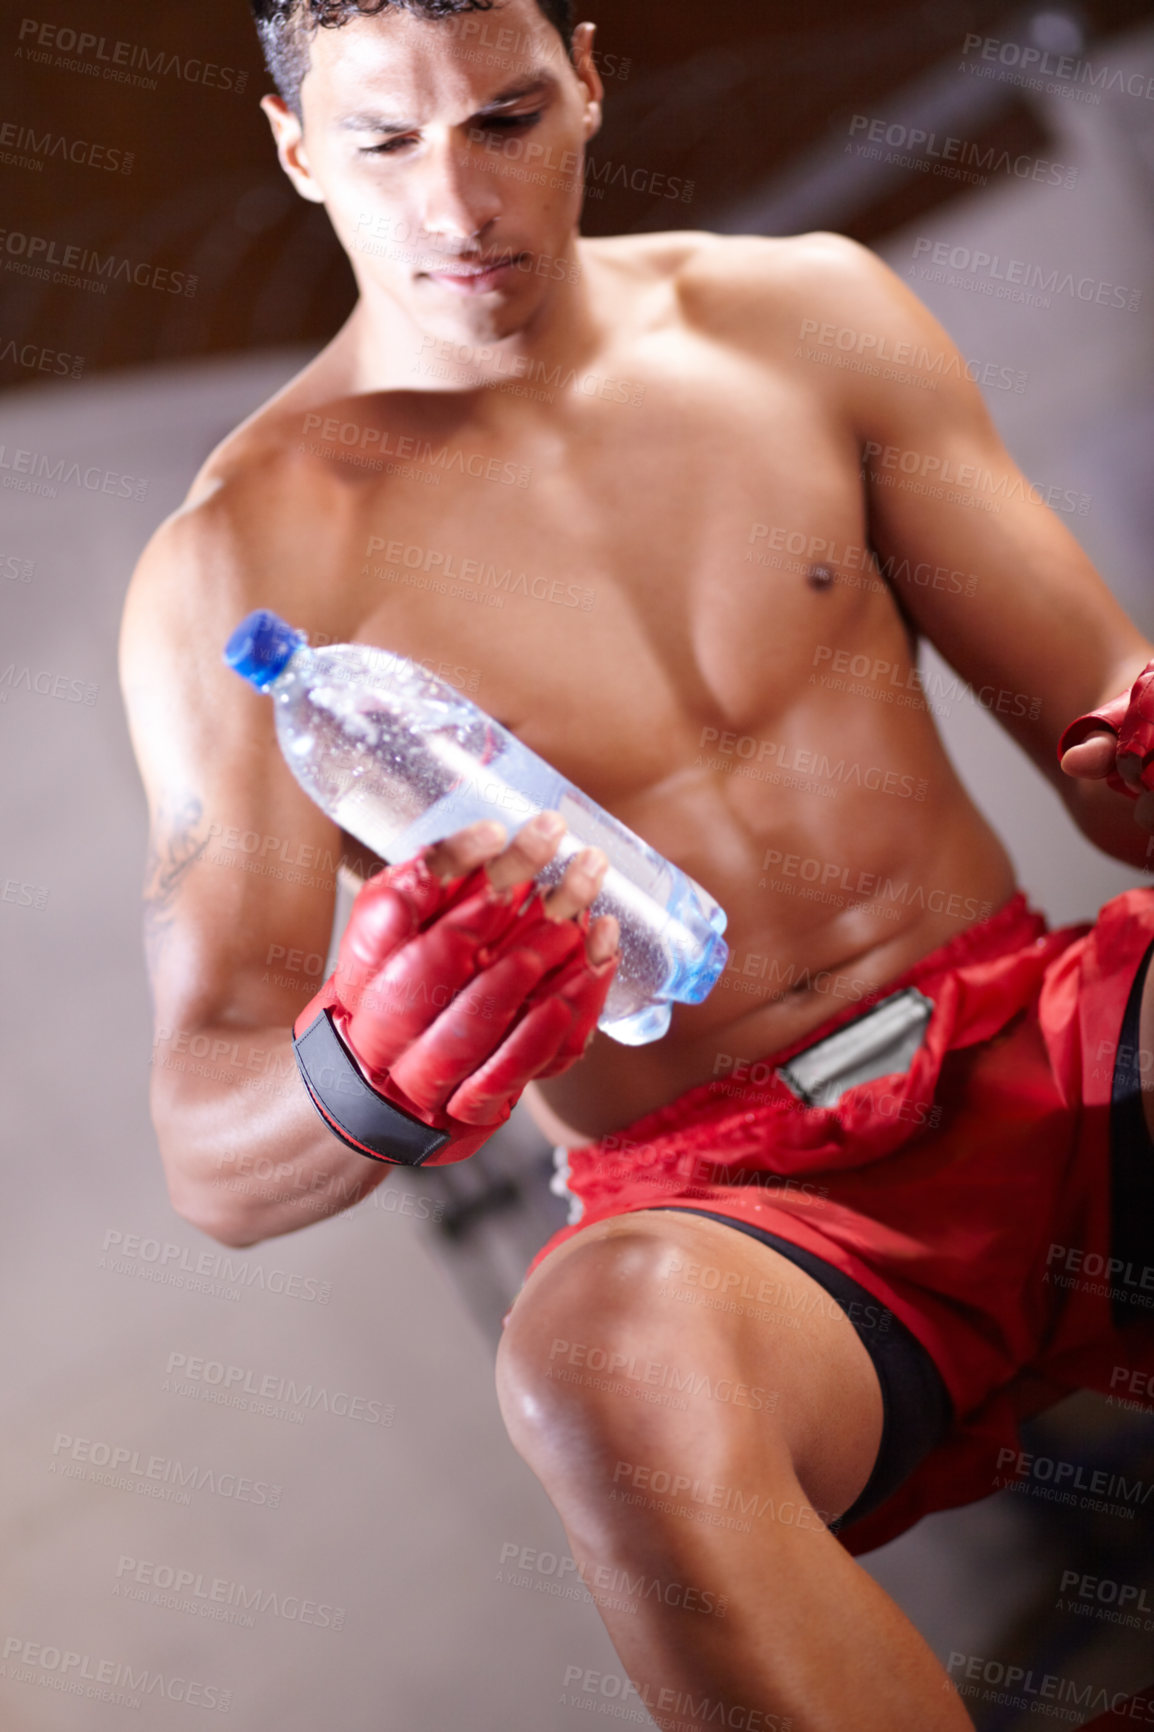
x=460, y=201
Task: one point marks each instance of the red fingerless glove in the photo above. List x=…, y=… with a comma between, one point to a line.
x=447, y=999
x=1129, y=716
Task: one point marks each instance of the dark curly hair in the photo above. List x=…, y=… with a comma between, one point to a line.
x=285, y=26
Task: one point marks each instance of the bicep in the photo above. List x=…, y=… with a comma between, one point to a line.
x=997, y=582
x=982, y=558
x=240, y=880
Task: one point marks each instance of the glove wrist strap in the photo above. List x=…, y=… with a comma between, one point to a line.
x=352, y=1109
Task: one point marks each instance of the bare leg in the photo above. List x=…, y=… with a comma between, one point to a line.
x=593, y=1352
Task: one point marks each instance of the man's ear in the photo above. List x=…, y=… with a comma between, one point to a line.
x=590, y=77
x=288, y=133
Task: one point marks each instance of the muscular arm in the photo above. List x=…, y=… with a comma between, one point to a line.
x=239, y=896
x=1041, y=639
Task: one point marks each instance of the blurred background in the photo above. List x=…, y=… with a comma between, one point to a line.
x=369, y=1548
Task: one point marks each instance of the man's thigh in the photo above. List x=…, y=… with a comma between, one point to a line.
x=619, y=1341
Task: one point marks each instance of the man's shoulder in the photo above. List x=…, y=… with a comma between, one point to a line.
x=254, y=494
x=225, y=550
x=234, y=496
x=681, y=252
x=269, y=443
x=756, y=290
x=751, y=282
x=788, y=302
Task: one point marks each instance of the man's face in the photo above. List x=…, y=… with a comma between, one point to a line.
x=449, y=154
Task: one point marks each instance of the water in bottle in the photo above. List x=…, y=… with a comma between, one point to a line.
x=399, y=759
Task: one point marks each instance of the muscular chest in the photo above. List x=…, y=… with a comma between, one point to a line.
x=614, y=584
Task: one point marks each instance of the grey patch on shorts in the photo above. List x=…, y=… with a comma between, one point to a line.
x=880, y=1042
x=559, y=1185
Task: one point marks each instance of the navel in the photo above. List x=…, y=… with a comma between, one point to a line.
x=819, y=577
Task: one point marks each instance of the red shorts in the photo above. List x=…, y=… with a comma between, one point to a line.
x=972, y=1194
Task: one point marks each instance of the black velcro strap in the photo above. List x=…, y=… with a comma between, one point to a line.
x=353, y=1111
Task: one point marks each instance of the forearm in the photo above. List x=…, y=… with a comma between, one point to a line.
x=246, y=1154
x=456, y=985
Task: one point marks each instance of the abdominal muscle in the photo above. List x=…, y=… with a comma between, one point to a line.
x=837, y=946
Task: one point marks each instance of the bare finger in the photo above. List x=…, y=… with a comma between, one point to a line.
x=1092, y=758
x=466, y=849
x=583, y=878
x=532, y=847
x=602, y=940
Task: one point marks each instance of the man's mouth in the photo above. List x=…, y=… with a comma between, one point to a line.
x=475, y=276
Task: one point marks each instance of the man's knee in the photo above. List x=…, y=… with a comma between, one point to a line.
x=597, y=1361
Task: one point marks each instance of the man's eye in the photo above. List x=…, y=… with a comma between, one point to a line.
x=387, y=148
x=504, y=121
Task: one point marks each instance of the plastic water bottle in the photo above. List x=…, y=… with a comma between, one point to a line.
x=399, y=759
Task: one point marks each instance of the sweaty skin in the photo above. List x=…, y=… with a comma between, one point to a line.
x=622, y=493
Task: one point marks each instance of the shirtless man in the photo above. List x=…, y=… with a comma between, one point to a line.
x=634, y=429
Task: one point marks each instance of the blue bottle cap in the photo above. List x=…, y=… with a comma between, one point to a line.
x=261, y=645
